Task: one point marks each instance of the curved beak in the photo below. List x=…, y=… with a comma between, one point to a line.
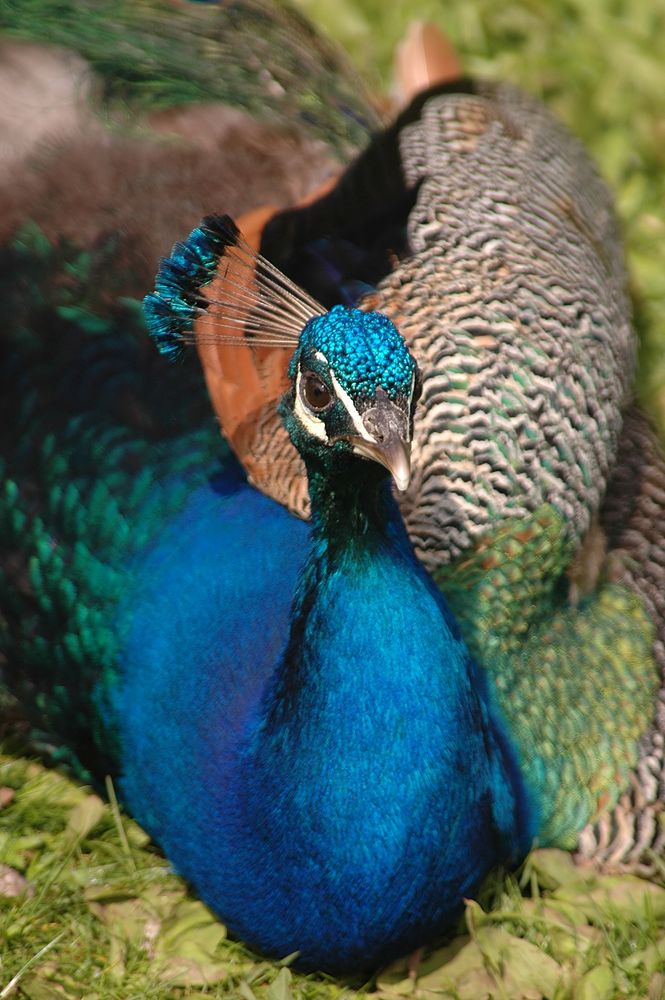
x=386, y=441
x=394, y=454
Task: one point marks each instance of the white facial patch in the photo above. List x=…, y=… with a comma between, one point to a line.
x=314, y=425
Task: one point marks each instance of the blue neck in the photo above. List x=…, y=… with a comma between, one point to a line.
x=328, y=773
x=403, y=794
x=356, y=533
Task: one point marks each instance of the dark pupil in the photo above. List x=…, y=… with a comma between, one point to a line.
x=316, y=393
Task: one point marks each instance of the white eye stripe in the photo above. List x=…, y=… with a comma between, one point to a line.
x=351, y=409
x=316, y=426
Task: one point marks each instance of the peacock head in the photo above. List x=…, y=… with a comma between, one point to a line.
x=354, y=386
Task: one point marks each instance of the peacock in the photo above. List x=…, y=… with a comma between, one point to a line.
x=535, y=504
x=288, y=701
x=475, y=192
x=480, y=227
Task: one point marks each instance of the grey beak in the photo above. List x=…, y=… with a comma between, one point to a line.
x=388, y=428
x=395, y=455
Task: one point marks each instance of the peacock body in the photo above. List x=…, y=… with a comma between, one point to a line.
x=509, y=285
x=319, y=799
x=137, y=559
x=279, y=677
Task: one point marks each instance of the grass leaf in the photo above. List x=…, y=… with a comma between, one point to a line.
x=596, y=984
x=84, y=817
x=280, y=988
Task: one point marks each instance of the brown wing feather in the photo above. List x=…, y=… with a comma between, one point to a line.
x=243, y=382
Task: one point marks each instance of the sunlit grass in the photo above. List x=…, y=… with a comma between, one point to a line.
x=102, y=916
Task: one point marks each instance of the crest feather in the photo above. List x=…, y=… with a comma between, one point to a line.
x=245, y=318
x=214, y=288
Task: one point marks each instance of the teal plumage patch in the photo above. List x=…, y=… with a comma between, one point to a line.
x=171, y=310
x=94, y=465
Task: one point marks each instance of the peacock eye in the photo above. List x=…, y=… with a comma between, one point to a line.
x=317, y=394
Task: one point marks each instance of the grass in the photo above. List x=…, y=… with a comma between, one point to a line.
x=102, y=914
x=103, y=917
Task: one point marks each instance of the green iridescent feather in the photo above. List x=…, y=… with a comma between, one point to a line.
x=577, y=682
x=83, y=386
x=65, y=534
